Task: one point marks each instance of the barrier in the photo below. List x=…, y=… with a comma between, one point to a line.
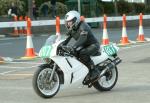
x=52, y=22
x=105, y=40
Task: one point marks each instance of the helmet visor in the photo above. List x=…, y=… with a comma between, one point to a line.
x=69, y=24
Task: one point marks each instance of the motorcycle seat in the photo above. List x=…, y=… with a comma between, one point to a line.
x=98, y=53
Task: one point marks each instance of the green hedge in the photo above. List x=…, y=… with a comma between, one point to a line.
x=6, y=4
x=139, y=7
x=108, y=8
x=61, y=9
x=124, y=7
x=101, y=7
x=147, y=9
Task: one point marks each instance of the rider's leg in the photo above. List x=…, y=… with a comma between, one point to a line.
x=85, y=56
x=93, y=70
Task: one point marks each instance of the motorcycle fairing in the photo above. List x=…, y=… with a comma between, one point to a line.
x=74, y=71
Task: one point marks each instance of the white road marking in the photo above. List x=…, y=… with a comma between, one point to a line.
x=10, y=71
x=18, y=67
x=3, y=73
x=20, y=74
x=134, y=46
x=15, y=88
x=25, y=63
x=5, y=44
x=13, y=38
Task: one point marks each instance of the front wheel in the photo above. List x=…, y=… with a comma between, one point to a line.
x=107, y=81
x=41, y=84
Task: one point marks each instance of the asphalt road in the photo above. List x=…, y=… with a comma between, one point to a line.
x=133, y=84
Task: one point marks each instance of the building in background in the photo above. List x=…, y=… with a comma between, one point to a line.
x=137, y=1
x=147, y=1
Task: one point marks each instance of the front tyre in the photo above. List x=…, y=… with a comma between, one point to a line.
x=41, y=84
x=108, y=81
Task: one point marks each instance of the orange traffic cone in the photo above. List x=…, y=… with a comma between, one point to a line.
x=15, y=33
x=105, y=40
x=30, y=53
x=124, y=40
x=1, y=60
x=140, y=37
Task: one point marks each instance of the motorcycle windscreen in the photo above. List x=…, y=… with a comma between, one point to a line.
x=45, y=51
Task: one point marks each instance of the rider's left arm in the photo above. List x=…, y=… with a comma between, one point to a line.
x=82, y=39
x=67, y=40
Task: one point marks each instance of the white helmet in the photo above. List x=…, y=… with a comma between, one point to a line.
x=72, y=19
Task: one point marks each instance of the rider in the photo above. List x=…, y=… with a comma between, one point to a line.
x=86, y=44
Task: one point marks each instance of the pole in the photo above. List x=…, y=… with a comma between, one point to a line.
x=30, y=3
x=79, y=6
x=116, y=7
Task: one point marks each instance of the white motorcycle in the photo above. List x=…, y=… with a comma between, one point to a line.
x=64, y=70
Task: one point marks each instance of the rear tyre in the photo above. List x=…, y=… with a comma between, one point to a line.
x=108, y=81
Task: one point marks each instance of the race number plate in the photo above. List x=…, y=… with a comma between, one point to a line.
x=110, y=49
x=45, y=51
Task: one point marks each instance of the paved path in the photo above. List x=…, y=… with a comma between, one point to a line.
x=133, y=84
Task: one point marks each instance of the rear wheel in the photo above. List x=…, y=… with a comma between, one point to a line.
x=108, y=81
x=41, y=84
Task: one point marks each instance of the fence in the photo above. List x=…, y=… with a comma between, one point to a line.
x=51, y=23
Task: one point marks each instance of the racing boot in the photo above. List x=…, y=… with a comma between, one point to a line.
x=94, y=71
x=92, y=75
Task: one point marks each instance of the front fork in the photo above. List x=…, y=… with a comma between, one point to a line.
x=53, y=71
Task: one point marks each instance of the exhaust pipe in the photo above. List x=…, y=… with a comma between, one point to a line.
x=111, y=65
x=117, y=61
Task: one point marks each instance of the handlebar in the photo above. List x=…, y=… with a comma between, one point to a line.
x=67, y=51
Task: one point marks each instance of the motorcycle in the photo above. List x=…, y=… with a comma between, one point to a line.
x=62, y=69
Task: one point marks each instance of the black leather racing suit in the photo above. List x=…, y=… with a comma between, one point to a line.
x=85, y=40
